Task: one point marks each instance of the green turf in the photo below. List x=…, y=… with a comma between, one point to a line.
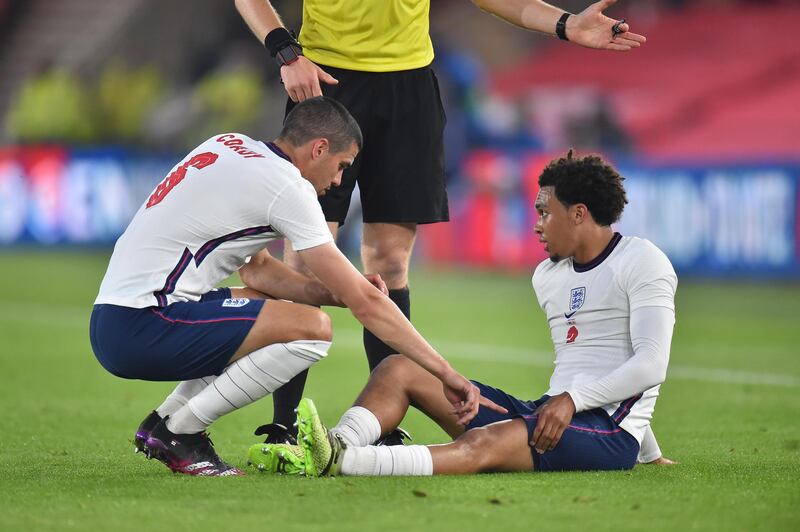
x=729, y=412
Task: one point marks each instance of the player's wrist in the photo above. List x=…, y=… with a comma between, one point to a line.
x=445, y=372
x=573, y=396
x=283, y=46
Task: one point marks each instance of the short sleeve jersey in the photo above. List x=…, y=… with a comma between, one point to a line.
x=588, y=309
x=223, y=203
x=367, y=35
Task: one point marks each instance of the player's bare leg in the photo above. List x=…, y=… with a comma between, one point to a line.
x=499, y=447
x=398, y=383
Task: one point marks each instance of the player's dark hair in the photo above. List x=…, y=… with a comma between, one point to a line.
x=588, y=180
x=321, y=117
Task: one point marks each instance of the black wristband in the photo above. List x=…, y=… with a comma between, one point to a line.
x=561, y=27
x=278, y=39
x=289, y=54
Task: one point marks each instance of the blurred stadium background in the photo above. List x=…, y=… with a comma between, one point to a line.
x=98, y=99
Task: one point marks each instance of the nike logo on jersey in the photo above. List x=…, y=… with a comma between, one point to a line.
x=568, y=315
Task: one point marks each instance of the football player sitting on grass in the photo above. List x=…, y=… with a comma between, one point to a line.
x=609, y=301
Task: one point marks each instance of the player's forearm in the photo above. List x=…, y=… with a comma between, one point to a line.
x=651, y=336
x=301, y=289
x=270, y=276
x=260, y=17
x=529, y=14
x=382, y=317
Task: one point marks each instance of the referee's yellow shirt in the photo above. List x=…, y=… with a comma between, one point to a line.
x=368, y=35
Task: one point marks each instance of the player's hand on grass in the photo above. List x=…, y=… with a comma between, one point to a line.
x=661, y=460
x=302, y=79
x=554, y=417
x=591, y=28
x=466, y=398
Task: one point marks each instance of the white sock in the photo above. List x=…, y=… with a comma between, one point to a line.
x=248, y=379
x=358, y=427
x=394, y=460
x=181, y=395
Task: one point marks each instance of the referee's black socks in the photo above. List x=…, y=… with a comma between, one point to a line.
x=377, y=350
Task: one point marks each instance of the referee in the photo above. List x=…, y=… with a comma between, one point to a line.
x=374, y=57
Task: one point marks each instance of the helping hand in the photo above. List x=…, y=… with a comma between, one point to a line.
x=466, y=398
x=376, y=281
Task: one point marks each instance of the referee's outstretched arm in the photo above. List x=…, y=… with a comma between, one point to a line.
x=590, y=27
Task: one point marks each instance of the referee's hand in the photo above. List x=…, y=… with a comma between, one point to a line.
x=591, y=28
x=302, y=79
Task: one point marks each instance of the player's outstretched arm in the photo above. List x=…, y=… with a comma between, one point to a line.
x=270, y=276
x=590, y=27
x=381, y=316
x=301, y=78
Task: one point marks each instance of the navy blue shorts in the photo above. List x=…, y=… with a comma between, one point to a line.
x=592, y=441
x=181, y=341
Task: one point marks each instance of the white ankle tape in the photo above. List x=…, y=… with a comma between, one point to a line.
x=358, y=427
x=395, y=460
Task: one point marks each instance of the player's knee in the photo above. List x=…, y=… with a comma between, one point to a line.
x=474, y=444
x=320, y=327
x=308, y=323
x=392, y=265
x=397, y=368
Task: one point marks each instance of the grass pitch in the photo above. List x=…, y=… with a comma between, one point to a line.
x=729, y=412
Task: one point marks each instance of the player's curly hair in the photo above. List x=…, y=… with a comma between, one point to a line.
x=588, y=180
x=322, y=117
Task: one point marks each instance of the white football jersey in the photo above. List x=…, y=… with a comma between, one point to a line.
x=589, y=307
x=223, y=203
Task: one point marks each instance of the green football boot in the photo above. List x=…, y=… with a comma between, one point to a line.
x=280, y=458
x=323, y=450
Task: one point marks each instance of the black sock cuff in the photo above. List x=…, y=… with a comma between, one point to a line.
x=402, y=298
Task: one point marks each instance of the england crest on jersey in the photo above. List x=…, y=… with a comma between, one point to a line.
x=576, y=298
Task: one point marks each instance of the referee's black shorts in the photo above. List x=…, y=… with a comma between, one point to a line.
x=400, y=171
